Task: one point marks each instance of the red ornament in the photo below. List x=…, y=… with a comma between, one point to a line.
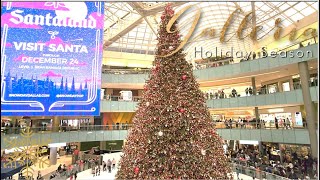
x=184, y=77
x=136, y=170
x=182, y=110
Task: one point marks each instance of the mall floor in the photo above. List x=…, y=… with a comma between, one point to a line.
x=67, y=160
x=85, y=175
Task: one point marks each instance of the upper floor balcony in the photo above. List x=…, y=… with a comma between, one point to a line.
x=294, y=97
x=231, y=70
x=12, y=136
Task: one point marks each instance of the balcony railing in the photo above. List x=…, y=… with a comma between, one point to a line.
x=218, y=125
x=256, y=173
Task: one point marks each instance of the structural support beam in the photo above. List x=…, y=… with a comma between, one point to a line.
x=53, y=155
x=254, y=19
x=309, y=107
x=55, y=124
x=123, y=32
x=254, y=88
x=144, y=13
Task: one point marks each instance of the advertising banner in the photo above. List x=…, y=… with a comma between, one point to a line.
x=298, y=118
x=51, y=57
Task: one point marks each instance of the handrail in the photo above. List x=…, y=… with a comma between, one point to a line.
x=120, y=98
x=298, y=43
x=216, y=95
x=218, y=125
x=255, y=125
x=259, y=174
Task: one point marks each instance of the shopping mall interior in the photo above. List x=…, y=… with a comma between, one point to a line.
x=260, y=88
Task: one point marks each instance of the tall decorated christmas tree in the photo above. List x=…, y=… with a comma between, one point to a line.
x=173, y=136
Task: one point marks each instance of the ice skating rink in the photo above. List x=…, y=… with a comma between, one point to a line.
x=86, y=175
x=104, y=175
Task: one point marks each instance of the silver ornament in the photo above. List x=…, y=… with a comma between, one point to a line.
x=203, y=152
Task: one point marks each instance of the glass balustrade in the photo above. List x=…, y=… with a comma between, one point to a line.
x=217, y=124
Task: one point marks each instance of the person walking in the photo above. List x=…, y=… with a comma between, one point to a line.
x=109, y=163
x=104, y=166
x=93, y=171
x=97, y=170
x=287, y=121
x=113, y=163
x=39, y=176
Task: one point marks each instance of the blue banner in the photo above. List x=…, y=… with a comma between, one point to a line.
x=51, y=58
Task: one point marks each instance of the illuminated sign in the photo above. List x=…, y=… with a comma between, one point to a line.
x=51, y=54
x=210, y=32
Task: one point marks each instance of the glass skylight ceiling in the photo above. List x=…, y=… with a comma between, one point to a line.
x=129, y=29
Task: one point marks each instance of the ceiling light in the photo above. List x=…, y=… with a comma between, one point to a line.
x=311, y=67
x=275, y=110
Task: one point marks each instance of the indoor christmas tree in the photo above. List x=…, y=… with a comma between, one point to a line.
x=173, y=136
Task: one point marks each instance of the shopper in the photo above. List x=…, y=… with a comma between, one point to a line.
x=39, y=176
x=113, y=164
x=287, y=121
x=93, y=171
x=109, y=163
x=104, y=165
x=71, y=176
x=250, y=91
x=247, y=91
x=241, y=123
x=276, y=122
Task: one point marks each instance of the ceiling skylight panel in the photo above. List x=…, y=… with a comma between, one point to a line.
x=315, y=6
x=300, y=5
x=290, y=12
x=285, y=23
x=284, y=6
x=307, y=11
x=297, y=17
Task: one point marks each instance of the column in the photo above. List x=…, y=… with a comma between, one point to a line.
x=280, y=88
x=309, y=107
x=55, y=124
x=53, y=156
x=254, y=88
x=291, y=84
x=103, y=145
x=261, y=152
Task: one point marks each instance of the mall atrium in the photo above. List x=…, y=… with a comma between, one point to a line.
x=256, y=64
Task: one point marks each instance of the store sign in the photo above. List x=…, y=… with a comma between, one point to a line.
x=298, y=118
x=51, y=54
x=126, y=95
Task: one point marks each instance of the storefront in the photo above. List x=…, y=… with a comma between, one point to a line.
x=220, y=116
x=269, y=119
x=75, y=123
x=293, y=113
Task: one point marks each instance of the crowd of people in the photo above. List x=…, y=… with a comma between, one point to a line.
x=243, y=123
x=220, y=94
x=292, y=166
x=72, y=171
